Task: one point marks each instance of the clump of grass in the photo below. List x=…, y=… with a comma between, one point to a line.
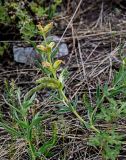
x=27, y=126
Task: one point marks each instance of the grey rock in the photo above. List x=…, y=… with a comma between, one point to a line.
x=26, y=55
x=62, y=48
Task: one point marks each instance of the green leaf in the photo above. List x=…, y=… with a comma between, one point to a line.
x=9, y=129
x=120, y=76
x=50, y=143
x=109, y=141
x=58, y=2
x=54, y=53
x=37, y=119
x=27, y=30
x=4, y=17
x=14, y=108
x=23, y=124
x=28, y=103
x=38, y=10
x=62, y=109
x=105, y=90
x=112, y=101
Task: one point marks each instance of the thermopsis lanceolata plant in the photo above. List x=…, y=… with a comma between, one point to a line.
x=50, y=66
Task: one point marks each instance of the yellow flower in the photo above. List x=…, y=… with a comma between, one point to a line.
x=57, y=63
x=48, y=27
x=40, y=28
x=45, y=29
x=42, y=48
x=46, y=64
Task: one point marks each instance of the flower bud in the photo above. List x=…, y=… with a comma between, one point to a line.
x=46, y=64
x=42, y=48
x=40, y=28
x=57, y=64
x=51, y=45
x=48, y=27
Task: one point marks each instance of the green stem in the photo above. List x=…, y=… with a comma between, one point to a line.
x=66, y=102
x=92, y=115
x=79, y=117
x=48, y=54
x=44, y=37
x=32, y=152
x=54, y=73
x=94, y=128
x=63, y=96
x=94, y=111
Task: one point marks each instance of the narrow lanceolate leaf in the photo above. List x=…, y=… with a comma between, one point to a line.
x=9, y=129
x=22, y=124
x=57, y=64
x=49, y=83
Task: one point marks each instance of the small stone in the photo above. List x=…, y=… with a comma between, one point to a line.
x=62, y=49
x=24, y=54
